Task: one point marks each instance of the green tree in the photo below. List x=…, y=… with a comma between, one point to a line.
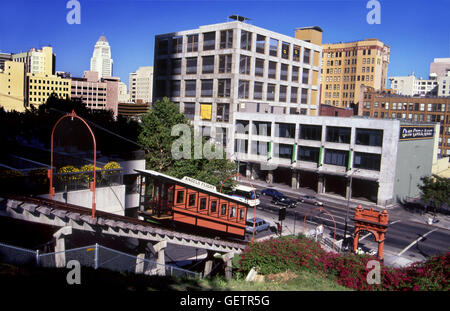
x=435, y=190
x=157, y=140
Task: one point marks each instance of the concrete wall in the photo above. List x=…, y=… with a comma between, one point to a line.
x=107, y=199
x=414, y=160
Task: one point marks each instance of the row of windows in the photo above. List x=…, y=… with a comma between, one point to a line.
x=411, y=116
x=48, y=82
x=257, y=67
x=264, y=45
x=211, y=208
x=361, y=160
x=408, y=106
x=367, y=137
x=223, y=86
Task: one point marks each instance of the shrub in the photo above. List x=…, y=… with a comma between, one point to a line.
x=274, y=256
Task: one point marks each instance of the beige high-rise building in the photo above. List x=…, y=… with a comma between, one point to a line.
x=347, y=66
x=37, y=61
x=141, y=84
x=12, y=86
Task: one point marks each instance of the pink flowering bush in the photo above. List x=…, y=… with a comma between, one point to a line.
x=287, y=253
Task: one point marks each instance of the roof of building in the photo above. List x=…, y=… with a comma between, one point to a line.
x=102, y=38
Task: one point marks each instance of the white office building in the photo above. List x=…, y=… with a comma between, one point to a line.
x=413, y=86
x=101, y=60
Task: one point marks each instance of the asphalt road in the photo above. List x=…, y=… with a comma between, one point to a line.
x=408, y=238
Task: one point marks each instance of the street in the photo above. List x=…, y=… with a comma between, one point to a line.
x=406, y=236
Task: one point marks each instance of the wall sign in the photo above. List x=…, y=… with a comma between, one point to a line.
x=411, y=132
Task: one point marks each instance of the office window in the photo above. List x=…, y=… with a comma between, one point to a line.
x=285, y=130
x=205, y=114
x=257, y=91
x=260, y=44
x=336, y=157
x=285, y=50
x=243, y=89
x=163, y=48
x=294, y=95
x=191, y=65
x=338, y=134
x=294, y=76
x=177, y=44
x=209, y=41
x=244, y=64
x=273, y=47
x=282, y=97
x=225, y=63
x=272, y=70
x=296, y=54
x=306, y=56
x=304, y=97
x=192, y=45
x=259, y=148
x=259, y=67
x=305, y=76
x=161, y=67
x=224, y=87
x=176, y=66
x=226, y=39
x=284, y=72
x=309, y=154
x=270, y=92
x=208, y=64
x=368, y=161
x=369, y=137
x=241, y=145
x=207, y=88
x=283, y=151
x=242, y=126
x=246, y=40
x=261, y=128
x=175, y=88
x=223, y=112
x=189, y=110
x=310, y=132
x=190, y=86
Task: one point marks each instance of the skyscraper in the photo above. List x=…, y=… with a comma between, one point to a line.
x=141, y=84
x=101, y=60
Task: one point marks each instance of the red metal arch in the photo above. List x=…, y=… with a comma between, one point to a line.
x=254, y=194
x=324, y=210
x=50, y=172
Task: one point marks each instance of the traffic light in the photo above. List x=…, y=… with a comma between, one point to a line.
x=282, y=214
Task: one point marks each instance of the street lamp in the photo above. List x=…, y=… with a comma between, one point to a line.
x=348, y=205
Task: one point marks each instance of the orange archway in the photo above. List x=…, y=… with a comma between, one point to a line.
x=371, y=221
x=50, y=171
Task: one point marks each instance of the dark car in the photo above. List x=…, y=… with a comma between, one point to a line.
x=310, y=199
x=271, y=192
x=260, y=225
x=284, y=200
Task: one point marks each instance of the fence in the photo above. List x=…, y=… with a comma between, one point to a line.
x=80, y=180
x=94, y=256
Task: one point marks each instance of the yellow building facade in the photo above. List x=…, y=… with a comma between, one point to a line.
x=41, y=86
x=347, y=66
x=37, y=61
x=12, y=85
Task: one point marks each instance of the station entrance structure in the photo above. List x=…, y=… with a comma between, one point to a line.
x=371, y=221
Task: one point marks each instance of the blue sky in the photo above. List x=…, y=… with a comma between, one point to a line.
x=417, y=31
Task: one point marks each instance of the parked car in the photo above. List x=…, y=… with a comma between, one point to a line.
x=284, y=200
x=271, y=192
x=310, y=199
x=260, y=225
